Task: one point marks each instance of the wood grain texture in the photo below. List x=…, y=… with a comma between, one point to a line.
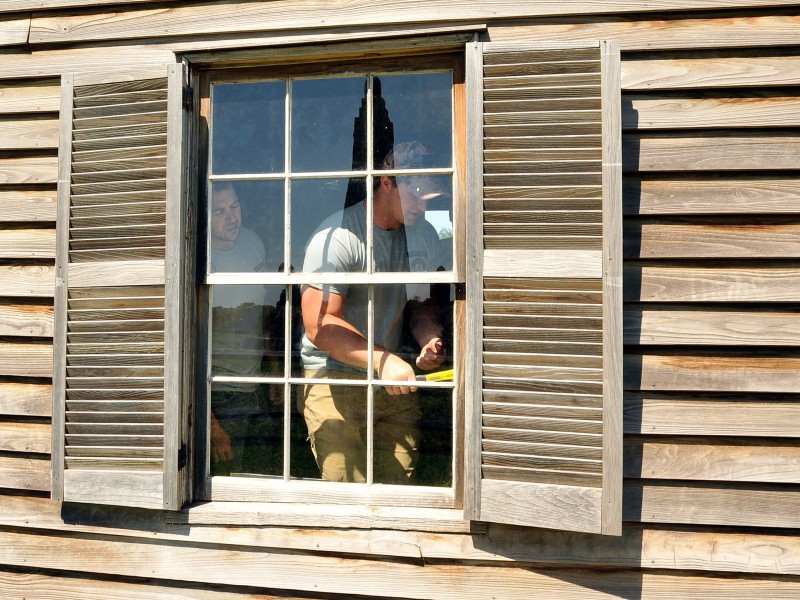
x=734, y=415
x=24, y=473
x=24, y=437
x=27, y=281
x=28, y=133
x=711, y=152
x=697, y=112
x=26, y=399
x=760, y=372
x=659, y=72
x=36, y=96
x=659, y=33
x=27, y=243
x=26, y=320
x=27, y=206
x=14, y=29
x=678, y=459
x=228, y=17
x=750, y=237
x=670, y=282
x=740, y=505
x=666, y=325
x=707, y=195
x=26, y=359
x=28, y=170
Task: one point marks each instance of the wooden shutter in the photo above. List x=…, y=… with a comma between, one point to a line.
x=544, y=443
x=119, y=418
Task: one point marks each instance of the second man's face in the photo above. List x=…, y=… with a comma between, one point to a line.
x=226, y=219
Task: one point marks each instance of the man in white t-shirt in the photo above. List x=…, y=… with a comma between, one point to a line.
x=238, y=412
x=335, y=320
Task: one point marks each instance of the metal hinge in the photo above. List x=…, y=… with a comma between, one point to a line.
x=182, y=456
x=188, y=98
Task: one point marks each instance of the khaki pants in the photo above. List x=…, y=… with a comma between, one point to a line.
x=336, y=416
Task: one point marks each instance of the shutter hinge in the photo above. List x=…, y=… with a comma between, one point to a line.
x=188, y=98
x=182, y=456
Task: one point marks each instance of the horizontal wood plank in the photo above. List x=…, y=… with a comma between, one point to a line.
x=677, y=283
x=23, y=133
x=27, y=206
x=34, y=5
x=27, y=281
x=26, y=399
x=27, y=243
x=641, y=112
x=658, y=32
x=711, y=195
x=706, y=372
x=26, y=320
x=36, y=96
x=230, y=17
x=711, y=238
x=14, y=29
x=25, y=473
x=29, y=170
x=25, y=437
x=690, y=459
x=664, y=325
x=26, y=359
x=713, y=504
x=658, y=72
x=710, y=152
x=733, y=415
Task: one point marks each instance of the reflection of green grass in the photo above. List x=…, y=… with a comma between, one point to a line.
x=434, y=467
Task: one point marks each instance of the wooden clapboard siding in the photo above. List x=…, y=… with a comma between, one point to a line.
x=662, y=32
x=388, y=578
x=645, y=112
x=14, y=29
x=34, y=359
x=17, y=133
x=27, y=206
x=232, y=17
x=28, y=169
x=27, y=437
x=27, y=243
x=727, y=151
x=26, y=399
x=35, y=96
x=719, y=326
x=702, y=194
x=34, y=5
x=25, y=473
x=709, y=415
x=36, y=281
x=26, y=320
x=669, y=458
x=710, y=70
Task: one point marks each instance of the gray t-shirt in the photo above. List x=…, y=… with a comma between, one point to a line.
x=339, y=245
x=237, y=334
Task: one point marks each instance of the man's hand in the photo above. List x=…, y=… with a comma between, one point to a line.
x=393, y=368
x=432, y=355
x=221, y=449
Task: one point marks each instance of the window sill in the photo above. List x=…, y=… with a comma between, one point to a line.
x=333, y=516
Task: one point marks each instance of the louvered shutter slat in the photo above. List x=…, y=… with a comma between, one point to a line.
x=545, y=428
x=117, y=403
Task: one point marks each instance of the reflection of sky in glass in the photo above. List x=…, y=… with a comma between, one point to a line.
x=247, y=127
x=323, y=116
x=420, y=108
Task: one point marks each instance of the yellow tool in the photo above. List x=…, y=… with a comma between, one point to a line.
x=438, y=376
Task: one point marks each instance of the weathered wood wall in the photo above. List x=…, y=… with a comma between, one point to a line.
x=711, y=112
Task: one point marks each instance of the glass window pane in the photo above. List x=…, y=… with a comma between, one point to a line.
x=247, y=125
x=326, y=237
x=246, y=226
x=335, y=417
x=435, y=463
x=246, y=436
x=419, y=108
x=247, y=330
x=328, y=124
x=413, y=218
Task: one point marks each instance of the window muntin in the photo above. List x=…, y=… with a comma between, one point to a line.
x=331, y=161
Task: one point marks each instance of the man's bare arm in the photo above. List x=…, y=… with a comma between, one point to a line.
x=327, y=329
